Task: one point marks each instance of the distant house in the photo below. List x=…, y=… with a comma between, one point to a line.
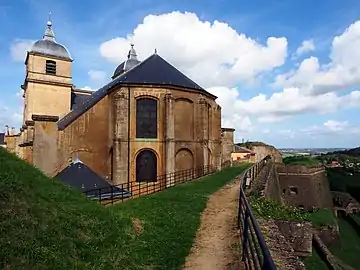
x=243, y=154
x=2, y=140
x=335, y=164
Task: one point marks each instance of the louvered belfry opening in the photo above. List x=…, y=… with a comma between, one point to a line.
x=50, y=67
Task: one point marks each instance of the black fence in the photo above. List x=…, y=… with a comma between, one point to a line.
x=255, y=253
x=115, y=193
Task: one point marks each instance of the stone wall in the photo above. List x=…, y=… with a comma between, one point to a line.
x=305, y=187
x=267, y=183
x=227, y=144
x=262, y=151
x=281, y=250
x=299, y=169
x=298, y=234
x=88, y=139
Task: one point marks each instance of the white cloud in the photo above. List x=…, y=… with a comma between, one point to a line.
x=280, y=106
x=19, y=47
x=87, y=88
x=10, y=117
x=342, y=72
x=97, y=75
x=287, y=133
x=306, y=46
x=211, y=53
x=332, y=127
x=218, y=57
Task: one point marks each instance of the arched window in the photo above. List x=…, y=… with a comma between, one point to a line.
x=146, y=118
x=146, y=166
x=50, y=67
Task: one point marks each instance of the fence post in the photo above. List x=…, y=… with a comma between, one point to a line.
x=239, y=209
x=245, y=234
x=112, y=194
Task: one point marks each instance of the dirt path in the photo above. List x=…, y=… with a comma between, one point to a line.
x=216, y=246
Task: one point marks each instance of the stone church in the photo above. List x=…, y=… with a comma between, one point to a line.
x=149, y=120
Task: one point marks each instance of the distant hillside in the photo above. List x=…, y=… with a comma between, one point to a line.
x=355, y=152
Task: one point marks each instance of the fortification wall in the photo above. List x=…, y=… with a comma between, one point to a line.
x=299, y=169
x=262, y=151
x=267, y=183
x=305, y=187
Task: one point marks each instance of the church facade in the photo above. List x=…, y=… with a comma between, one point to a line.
x=149, y=120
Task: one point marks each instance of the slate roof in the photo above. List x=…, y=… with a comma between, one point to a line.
x=77, y=99
x=119, y=69
x=2, y=138
x=79, y=176
x=152, y=71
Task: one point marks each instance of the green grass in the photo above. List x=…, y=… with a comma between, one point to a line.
x=301, y=160
x=314, y=262
x=322, y=217
x=270, y=209
x=356, y=217
x=45, y=225
x=349, y=249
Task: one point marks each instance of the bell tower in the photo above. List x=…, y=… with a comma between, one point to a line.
x=48, y=82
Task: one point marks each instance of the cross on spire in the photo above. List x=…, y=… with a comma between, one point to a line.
x=49, y=33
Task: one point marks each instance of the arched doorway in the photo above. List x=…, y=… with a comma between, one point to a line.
x=146, y=166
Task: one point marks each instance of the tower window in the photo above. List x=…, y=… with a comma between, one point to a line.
x=50, y=67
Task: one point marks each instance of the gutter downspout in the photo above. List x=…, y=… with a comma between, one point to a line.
x=128, y=180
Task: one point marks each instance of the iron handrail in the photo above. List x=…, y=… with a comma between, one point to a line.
x=114, y=193
x=255, y=253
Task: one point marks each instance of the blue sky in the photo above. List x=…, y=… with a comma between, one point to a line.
x=297, y=89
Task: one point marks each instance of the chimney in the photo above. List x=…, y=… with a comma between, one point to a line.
x=7, y=130
x=12, y=131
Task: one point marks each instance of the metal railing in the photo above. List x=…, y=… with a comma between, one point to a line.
x=255, y=253
x=115, y=193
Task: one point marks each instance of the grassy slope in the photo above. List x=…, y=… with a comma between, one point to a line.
x=45, y=225
x=315, y=262
x=301, y=160
x=349, y=249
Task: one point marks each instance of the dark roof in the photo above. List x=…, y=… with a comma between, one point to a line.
x=77, y=99
x=152, y=71
x=2, y=138
x=79, y=176
x=119, y=69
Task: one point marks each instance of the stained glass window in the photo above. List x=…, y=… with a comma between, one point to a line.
x=146, y=118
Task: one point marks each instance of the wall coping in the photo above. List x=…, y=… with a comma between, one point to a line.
x=45, y=118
